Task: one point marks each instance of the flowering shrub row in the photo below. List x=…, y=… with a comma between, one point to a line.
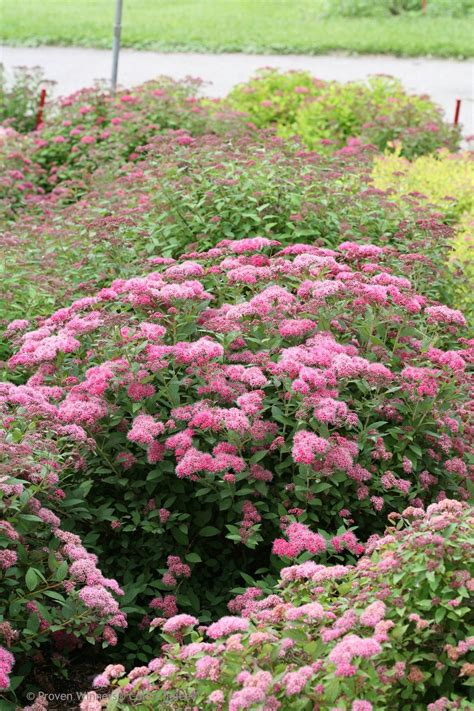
x=91, y=128
x=238, y=393
x=174, y=195
x=390, y=632
x=326, y=114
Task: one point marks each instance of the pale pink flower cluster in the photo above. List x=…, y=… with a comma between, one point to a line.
x=350, y=647
x=145, y=429
x=373, y=614
x=294, y=682
x=443, y=314
x=226, y=626
x=178, y=623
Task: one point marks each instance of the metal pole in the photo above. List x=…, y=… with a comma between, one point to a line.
x=116, y=44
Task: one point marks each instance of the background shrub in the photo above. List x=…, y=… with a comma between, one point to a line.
x=175, y=195
x=19, y=97
x=384, y=8
x=326, y=115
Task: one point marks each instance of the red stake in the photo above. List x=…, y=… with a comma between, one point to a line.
x=423, y=5
x=39, y=115
x=456, y=111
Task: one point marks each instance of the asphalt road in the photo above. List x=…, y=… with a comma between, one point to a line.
x=73, y=68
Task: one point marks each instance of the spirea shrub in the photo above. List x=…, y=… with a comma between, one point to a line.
x=211, y=188
x=237, y=394
x=54, y=598
x=392, y=631
x=93, y=128
x=326, y=114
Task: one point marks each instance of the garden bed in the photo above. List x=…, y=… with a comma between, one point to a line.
x=236, y=401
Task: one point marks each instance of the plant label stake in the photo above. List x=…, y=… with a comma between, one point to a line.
x=457, y=111
x=39, y=115
x=116, y=43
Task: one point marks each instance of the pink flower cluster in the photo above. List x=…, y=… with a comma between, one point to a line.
x=6, y=665
x=300, y=538
x=176, y=569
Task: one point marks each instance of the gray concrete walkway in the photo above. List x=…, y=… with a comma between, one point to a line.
x=73, y=68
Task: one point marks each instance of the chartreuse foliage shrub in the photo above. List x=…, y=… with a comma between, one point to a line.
x=275, y=97
x=392, y=631
x=236, y=391
x=327, y=114
x=447, y=181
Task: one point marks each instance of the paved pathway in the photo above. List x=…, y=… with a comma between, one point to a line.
x=73, y=68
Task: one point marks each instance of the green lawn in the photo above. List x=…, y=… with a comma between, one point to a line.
x=278, y=26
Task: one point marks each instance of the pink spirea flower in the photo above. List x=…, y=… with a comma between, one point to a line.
x=311, y=611
x=90, y=702
x=216, y=697
x=373, y=614
x=300, y=538
x=144, y=429
x=7, y=661
x=178, y=622
x=227, y=625
x=443, y=314
x=294, y=682
x=8, y=558
x=354, y=646
x=306, y=446
x=208, y=667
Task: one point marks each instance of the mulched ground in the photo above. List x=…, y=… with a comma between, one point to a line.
x=65, y=694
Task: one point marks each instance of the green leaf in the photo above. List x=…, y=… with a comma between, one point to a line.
x=208, y=531
x=31, y=579
x=61, y=571
x=193, y=558
x=33, y=623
